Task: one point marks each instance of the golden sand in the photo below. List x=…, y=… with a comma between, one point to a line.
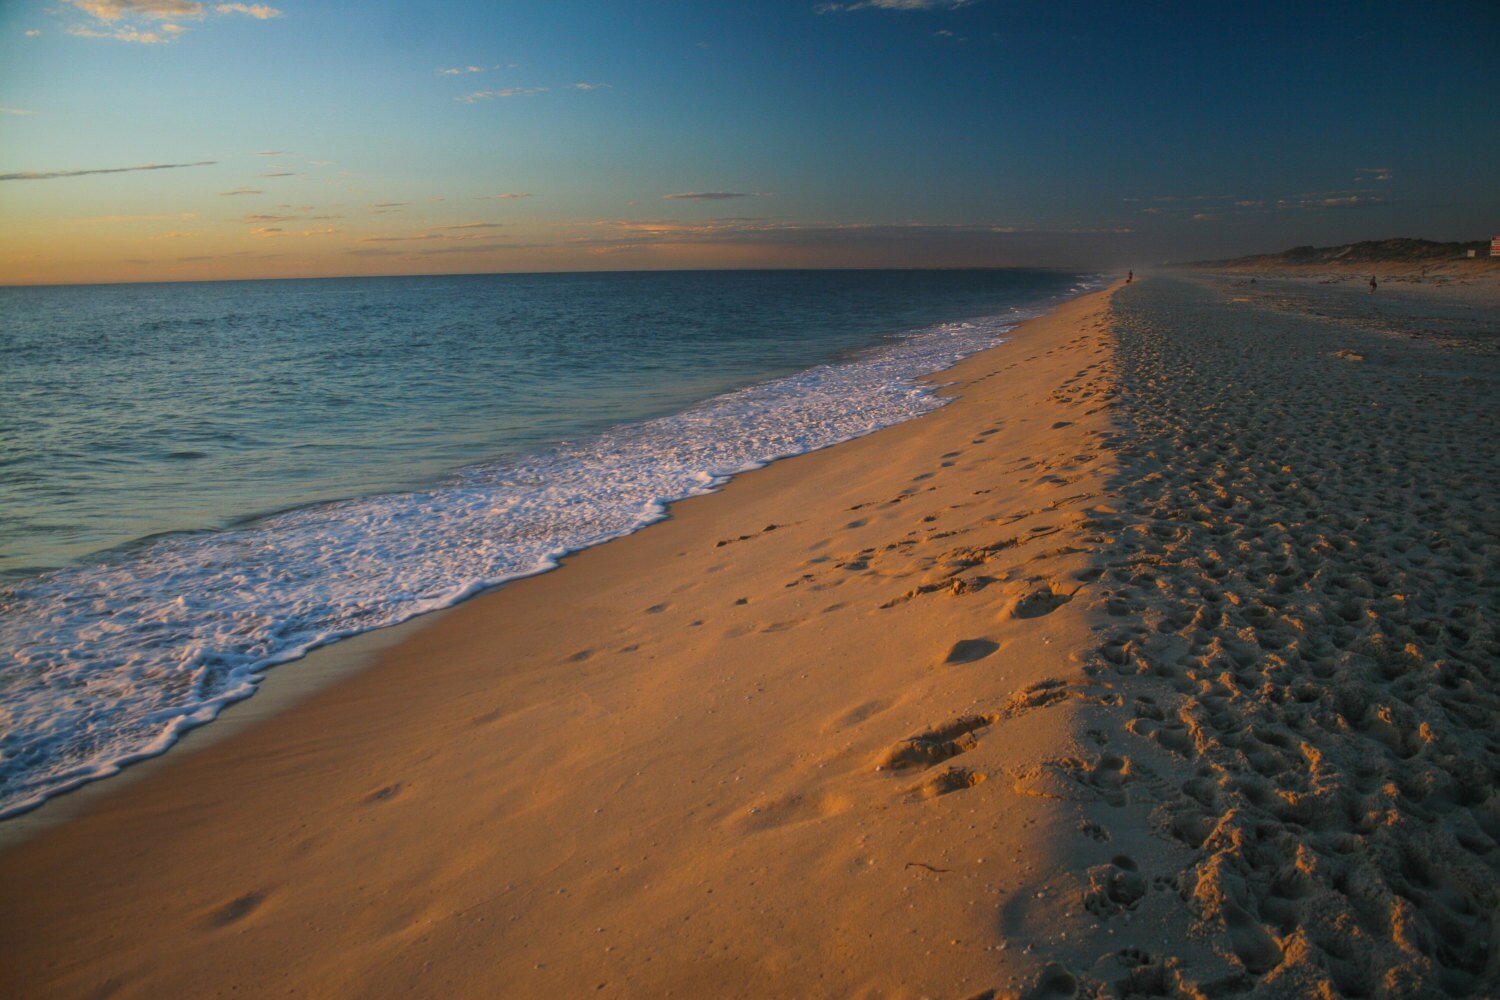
x=1161, y=660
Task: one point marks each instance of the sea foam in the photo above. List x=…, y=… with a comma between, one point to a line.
x=110, y=662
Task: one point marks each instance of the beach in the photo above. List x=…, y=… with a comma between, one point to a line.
x=1160, y=662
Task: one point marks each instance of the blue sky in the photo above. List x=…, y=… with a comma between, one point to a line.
x=320, y=138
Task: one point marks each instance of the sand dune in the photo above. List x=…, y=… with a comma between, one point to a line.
x=1158, y=664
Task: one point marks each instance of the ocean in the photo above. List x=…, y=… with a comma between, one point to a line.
x=199, y=481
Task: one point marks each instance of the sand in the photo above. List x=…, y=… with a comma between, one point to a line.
x=1159, y=663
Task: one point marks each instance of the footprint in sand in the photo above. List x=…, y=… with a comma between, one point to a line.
x=969, y=650
x=1053, y=983
x=235, y=910
x=1253, y=945
x=1114, y=888
x=936, y=745
x=1037, y=601
x=383, y=794
x=954, y=779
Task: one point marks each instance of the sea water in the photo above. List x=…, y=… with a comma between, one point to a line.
x=200, y=481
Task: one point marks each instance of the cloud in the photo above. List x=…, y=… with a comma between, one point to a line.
x=236, y=191
x=34, y=33
x=273, y=152
x=590, y=86
x=167, y=33
x=259, y=11
x=836, y=8
x=622, y=236
x=155, y=10
x=707, y=195
x=1332, y=200
x=476, y=225
x=460, y=70
x=490, y=95
x=267, y=231
x=15, y=111
x=319, y=232
x=263, y=217
x=119, y=19
x=426, y=238
x=430, y=251
x=511, y=194
x=165, y=10
x=279, y=173
x=46, y=175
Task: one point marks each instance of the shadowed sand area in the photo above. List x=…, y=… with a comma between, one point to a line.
x=1161, y=663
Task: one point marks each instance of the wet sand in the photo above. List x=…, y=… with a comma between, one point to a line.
x=1159, y=663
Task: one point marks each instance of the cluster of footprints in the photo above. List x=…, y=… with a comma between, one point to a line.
x=931, y=764
x=1304, y=589
x=1302, y=582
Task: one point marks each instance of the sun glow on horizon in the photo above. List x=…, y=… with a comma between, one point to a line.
x=147, y=140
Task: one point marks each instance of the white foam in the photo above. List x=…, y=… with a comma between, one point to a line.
x=109, y=663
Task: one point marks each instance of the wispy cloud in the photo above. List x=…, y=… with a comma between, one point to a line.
x=428, y=237
x=268, y=231
x=264, y=217
x=34, y=33
x=429, y=251
x=490, y=95
x=476, y=225
x=164, y=33
x=707, y=195
x=243, y=190
x=1334, y=199
x=279, y=173
x=122, y=19
x=628, y=235
x=511, y=194
x=47, y=175
x=155, y=10
x=460, y=70
x=15, y=111
x=259, y=11
x=272, y=152
x=1212, y=208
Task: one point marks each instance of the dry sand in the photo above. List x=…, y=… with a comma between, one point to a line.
x=1160, y=663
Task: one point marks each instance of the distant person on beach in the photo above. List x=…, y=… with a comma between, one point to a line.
x=1129, y=277
x=1372, y=284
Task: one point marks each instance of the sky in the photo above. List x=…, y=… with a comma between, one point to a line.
x=162, y=140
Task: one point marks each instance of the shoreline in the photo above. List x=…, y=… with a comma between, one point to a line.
x=1102, y=679
x=583, y=644
x=120, y=627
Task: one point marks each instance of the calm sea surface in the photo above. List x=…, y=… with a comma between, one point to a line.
x=198, y=481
